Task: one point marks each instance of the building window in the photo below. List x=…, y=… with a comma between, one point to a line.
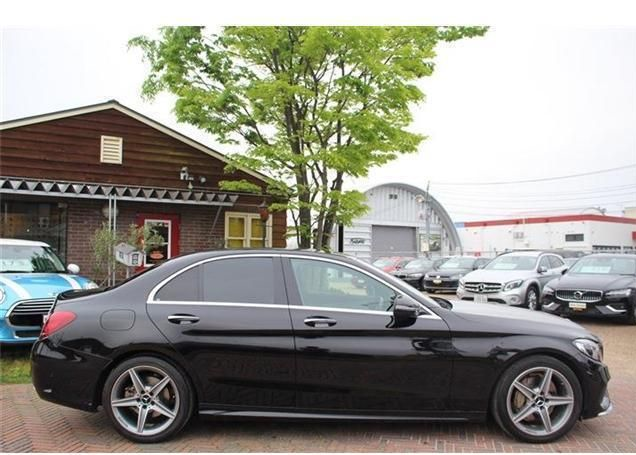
x=393, y=195
x=573, y=237
x=245, y=230
x=158, y=253
x=42, y=222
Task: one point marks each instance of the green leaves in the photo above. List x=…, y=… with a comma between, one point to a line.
x=312, y=105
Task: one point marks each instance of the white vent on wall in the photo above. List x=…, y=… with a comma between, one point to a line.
x=111, y=150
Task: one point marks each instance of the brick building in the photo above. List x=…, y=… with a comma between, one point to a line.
x=64, y=174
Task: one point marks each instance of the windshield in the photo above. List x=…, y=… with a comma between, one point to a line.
x=458, y=263
x=383, y=262
x=29, y=259
x=418, y=264
x=605, y=266
x=512, y=262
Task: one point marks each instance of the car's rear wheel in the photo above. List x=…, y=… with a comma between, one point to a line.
x=538, y=399
x=147, y=399
x=532, y=299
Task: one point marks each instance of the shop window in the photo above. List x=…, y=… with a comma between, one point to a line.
x=245, y=230
x=42, y=222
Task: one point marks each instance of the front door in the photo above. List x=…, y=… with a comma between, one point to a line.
x=349, y=356
x=165, y=225
x=229, y=319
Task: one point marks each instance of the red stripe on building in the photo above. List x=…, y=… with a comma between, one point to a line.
x=552, y=219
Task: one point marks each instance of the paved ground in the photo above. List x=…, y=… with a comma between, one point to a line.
x=30, y=424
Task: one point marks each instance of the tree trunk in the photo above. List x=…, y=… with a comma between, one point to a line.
x=330, y=217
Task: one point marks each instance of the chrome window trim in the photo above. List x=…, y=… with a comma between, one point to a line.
x=151, y=297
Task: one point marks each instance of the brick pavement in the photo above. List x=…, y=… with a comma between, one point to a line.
x=28, y=424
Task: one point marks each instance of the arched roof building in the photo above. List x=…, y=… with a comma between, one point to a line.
x=403, y=220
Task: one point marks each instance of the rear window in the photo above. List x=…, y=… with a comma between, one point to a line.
x=239, y=280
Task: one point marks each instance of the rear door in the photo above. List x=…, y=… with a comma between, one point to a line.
x=229, y=319
x=350, y=358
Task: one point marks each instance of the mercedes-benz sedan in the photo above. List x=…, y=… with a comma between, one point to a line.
x=277, y=333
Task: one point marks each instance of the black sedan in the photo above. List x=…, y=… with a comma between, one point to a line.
x=599, y=285
x=413, y=272
x=302, y=340
x=445, y=277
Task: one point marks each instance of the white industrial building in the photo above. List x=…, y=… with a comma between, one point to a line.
x=585, y=232
x=403, y=220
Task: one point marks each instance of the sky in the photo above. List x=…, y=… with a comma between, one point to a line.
x=520, y=103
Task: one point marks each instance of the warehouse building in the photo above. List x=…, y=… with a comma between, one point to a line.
x=584, y=232
x=403, y=220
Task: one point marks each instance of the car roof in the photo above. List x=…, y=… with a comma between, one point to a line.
x=19, y=242
x=527, y=253
x=611, y=255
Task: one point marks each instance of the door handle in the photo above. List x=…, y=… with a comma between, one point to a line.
x=320, y=322
x=183, y=318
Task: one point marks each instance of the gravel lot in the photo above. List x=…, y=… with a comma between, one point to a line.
x=30, y=424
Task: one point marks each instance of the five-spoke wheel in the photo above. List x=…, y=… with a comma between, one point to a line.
x=147, y=399
x=537, y=399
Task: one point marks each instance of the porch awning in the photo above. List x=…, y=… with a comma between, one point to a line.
x=57, y=188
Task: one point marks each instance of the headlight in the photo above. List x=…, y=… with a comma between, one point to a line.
x=547, y=290
x=590, y=348
x=90, y=285
x=426, y=275
x=415, y=275
x=512, y=285
x=461, y=282
x=2, y=295
x=618, y=293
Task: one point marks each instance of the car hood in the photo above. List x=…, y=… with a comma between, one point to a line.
x=498, y=318
x=594, y=282
x=498, y=276
x=22, y=286
x=447, y=272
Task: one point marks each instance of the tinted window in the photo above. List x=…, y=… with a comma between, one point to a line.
x=183, y=288
x=544, y=262
x=324, y=284
x=555, y=262
x=239, y=280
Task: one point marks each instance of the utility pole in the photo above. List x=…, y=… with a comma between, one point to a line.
x=428, y=219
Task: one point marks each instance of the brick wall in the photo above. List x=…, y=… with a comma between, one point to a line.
x=196, y=233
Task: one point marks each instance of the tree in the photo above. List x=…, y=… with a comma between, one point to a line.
x=313, y=105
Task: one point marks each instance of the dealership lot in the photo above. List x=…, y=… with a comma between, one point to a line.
x=30, y=424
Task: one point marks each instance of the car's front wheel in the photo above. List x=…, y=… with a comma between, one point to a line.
x=538, y=399
x=532, y=299
x=147, y=399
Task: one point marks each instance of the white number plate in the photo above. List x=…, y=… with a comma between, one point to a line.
x=437, y=281
x=578, y=305
x=479, y=298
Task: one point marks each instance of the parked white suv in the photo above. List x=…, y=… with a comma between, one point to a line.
x=515, y=279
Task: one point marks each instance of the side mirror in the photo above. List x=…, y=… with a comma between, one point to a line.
x=73, y=269
x=542, y=269
x=404, y=314
x=564, y=271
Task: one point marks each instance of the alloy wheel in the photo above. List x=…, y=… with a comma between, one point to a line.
x=540, y=401
x=532, y=299
x=144, y=399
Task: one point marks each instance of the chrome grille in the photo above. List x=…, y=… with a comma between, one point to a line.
x=579, y=295
x=22, y=312
x=482, y=288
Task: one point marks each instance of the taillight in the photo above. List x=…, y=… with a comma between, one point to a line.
x=56, y=321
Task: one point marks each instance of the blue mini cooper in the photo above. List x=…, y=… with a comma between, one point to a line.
x=31, y=276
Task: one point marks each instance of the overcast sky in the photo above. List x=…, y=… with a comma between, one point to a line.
x=520, y=103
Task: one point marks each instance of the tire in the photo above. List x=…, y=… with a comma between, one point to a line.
x=532, y=301
x=151, y=386
x=519, y=396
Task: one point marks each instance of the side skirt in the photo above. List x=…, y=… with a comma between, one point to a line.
x=463, y=417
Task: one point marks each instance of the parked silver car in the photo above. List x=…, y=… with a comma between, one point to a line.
x=515, y=279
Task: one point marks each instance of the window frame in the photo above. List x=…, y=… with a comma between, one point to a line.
x=247, y=230
x=284, y=267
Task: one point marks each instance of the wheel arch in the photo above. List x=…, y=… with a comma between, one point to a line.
x=151, y=352
x=568, y=360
